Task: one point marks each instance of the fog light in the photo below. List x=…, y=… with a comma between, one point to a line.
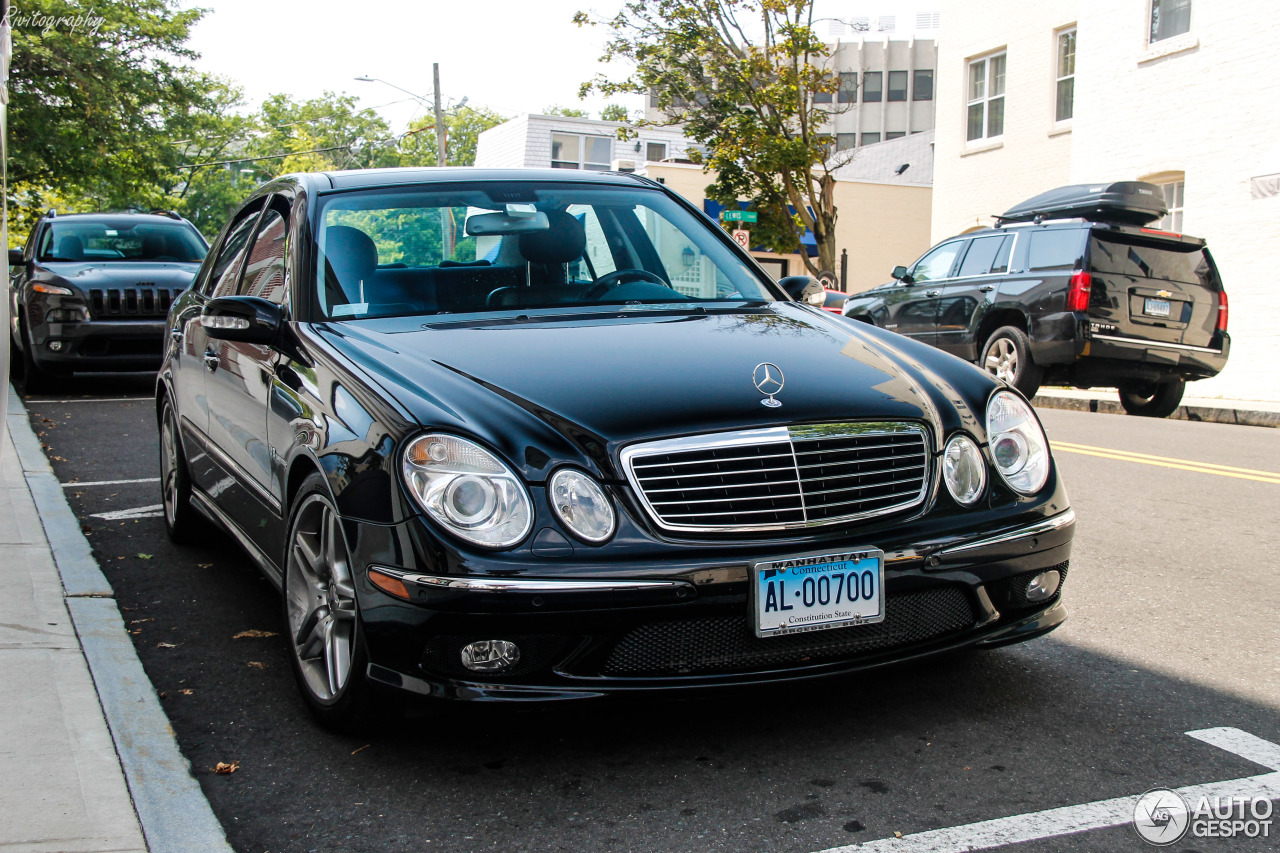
x=56, y=346
x=1043, y=586
x=495, y=655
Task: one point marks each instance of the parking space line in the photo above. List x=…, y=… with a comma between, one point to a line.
x=1102, y=814
x=30, y=401
x=111, y=482
x=153, y=511
x=1170, y=462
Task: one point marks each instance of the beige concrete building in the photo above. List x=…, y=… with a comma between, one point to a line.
x=1182, y=93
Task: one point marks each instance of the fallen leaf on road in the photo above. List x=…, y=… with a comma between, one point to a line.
x=186, y=691
x=257, y=664
x=254, y=634
x=205, y=565
x=897, y=834
x=361, y=749
x=223, y=768
x=145, y=556
x=140, y=621
x=166, y=645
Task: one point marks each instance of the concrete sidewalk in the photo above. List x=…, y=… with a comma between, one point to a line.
x=89, y=759
x=1210, y=409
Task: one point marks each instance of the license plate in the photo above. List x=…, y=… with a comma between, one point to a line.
x=1156, y=307
x=814, y=593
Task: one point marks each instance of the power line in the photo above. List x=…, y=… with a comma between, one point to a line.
x=268, y=157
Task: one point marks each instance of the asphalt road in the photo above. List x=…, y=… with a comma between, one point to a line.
x=1173, y=594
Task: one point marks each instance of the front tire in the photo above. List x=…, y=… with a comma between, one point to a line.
x=1007, y=356
x=35, y=379
x=1152, y=399
x=180, y=519
x=326, y=643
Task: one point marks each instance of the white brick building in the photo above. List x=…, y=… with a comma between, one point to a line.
x=544, y=142
x=1190, y=101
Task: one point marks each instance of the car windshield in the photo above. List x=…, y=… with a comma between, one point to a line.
x=120, y=238
x=518, y=246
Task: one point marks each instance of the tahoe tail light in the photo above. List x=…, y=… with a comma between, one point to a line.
x=1078, y=293
x=1222, y=311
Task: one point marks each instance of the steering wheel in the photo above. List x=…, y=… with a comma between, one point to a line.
x=608, y=281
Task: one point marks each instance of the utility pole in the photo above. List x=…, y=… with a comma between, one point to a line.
x=440, y=132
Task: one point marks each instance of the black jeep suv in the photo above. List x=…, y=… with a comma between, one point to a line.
x=90, y=291
x=1069, y=288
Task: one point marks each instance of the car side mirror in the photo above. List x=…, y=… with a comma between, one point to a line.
x=801, y=288
x=15, y=258
x=901, y=274
x=246, y=319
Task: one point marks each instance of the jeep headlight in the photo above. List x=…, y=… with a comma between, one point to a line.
x=468, y=490
x=1017, y=443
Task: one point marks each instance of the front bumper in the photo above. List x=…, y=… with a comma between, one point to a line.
x=99, y=345
x=687, y=626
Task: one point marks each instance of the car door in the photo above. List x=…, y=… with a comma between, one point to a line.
x=912, y=306
x=967, y=294
x=238, y=384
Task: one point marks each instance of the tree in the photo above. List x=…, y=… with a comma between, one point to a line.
x=92, y=106
x=569, y=112
x=463, y=127
x=615, y=112
x=740, y=75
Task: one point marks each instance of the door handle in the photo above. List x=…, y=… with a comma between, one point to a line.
x=933, y=293
x=987, y=288
x=211, y=361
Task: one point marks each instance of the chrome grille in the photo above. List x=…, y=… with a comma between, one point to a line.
x=782, y=477
x=141, y=301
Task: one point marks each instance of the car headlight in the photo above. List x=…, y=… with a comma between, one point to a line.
x=581, y=505
x=1017, y=443
x=964, y=470
x=468, y=490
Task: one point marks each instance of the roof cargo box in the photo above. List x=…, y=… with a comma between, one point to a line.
x=1124, y=202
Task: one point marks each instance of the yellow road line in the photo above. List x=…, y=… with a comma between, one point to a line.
x=1170, y=462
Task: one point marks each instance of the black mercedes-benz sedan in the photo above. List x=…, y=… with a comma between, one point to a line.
x=533, y=435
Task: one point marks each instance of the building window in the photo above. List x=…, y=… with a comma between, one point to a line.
x=897, y=85
x=848, y=87
x=1066, y=91
x=1174, y=190
x=894, y=134
x=822, y=97
x=870, y=138
x=655, y=152
x=1169, y=18
x=923, y=88
x=986, y=97
x=872, y=86
x=845, y=141
x=579, y=151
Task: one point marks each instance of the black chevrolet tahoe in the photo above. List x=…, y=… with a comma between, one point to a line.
x=90, y=291
x=1072, y=288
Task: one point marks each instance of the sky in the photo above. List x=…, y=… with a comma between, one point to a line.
x=511, y=56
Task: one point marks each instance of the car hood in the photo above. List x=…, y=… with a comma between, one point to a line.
x=600, y=381
x=89, y=275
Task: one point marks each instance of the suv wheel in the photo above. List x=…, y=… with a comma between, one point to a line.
x=175, y=483
x=1007, y=356
x=35, y=379
x=1152, y=399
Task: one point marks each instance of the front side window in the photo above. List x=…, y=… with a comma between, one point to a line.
x=922, y=86
x=424, y=251
x=580, y=151
x=264, y=268
x=937, y=263
x=897, y=85
x=1066, y=82
x=1169, y=18
x=224, y=278
x=872, y=86
x=120, y=238
x=986, y=98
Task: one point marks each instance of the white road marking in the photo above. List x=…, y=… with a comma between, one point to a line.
x=92, y=400
x=1097, y=815
x=110, y=482
x=153, y=511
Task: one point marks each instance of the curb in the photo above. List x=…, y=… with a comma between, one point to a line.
x=1207, y=414
x=174, y=814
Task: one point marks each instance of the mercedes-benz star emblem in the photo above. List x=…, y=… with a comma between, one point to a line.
x=769, y=381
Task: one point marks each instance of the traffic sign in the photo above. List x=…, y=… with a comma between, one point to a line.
x=740, y=216
x=743, y=237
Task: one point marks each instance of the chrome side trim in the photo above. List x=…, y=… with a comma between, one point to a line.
x=1038, y=529
x=501, y=585
x=1154, y=344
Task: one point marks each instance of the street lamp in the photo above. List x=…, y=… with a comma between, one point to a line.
x=440, y=137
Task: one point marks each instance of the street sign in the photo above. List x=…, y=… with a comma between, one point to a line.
x=743, y=237
x=740, y=216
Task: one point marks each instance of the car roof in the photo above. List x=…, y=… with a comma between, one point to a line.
x=116, y=214
x=360, y=178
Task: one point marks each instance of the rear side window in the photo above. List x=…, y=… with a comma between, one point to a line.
x=982, y=253
x=1170, y=262
x=1055, y=250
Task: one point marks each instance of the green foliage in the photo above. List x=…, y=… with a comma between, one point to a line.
x=614, y=112
x=740, y=75
x=568, y=112
x=463, y=128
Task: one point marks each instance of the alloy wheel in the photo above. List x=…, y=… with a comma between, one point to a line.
x=320, y=600
x=169, y=467
x=1002, y=360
